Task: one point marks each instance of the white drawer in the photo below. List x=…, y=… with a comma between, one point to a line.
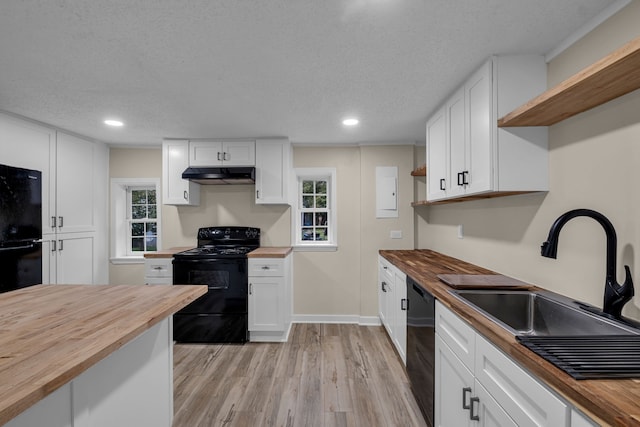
x=527, y=401
x=458, y=335
x=264, y=267
x=158, y=267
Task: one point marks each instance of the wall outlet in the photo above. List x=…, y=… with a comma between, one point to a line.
x=460, y=231
x=396, y=234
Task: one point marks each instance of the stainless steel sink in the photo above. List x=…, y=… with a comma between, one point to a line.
x=540, y=313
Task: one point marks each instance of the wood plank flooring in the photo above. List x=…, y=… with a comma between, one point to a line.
x=326, y=375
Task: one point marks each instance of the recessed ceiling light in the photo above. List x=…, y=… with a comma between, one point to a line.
x=350, y=122
x=115, y=123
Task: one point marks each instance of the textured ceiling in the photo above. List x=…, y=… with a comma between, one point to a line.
x=250, y=68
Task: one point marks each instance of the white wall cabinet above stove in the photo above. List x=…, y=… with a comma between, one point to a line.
x=175, y=190
x=222, y=153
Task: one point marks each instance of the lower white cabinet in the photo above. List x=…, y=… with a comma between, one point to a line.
x=476, y=384
x=270, y=299
x=69, y=258
x=392, y=304
x=158, y=271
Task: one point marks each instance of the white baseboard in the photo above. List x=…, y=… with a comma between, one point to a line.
x=337, y=318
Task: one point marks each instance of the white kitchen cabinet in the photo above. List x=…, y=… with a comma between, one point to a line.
x=222, y=153
x=392, y=301
x=467, y=154
x=70, y=259
x=270, y=299
x=175, y=190
x=158, y=271
x=578, y=419
x=273, y=165
x=499, y=385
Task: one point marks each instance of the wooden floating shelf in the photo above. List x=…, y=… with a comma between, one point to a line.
x=614, y=75
x=420, y=171
x=483, y=196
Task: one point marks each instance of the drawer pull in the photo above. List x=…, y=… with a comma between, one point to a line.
x=465, y=405
x=157, y=267
x=265, y=267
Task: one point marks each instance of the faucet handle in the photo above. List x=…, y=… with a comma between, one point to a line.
x=616, y=296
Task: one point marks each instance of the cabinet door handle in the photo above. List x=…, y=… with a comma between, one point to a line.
x=465, y=405
x=465, y=175
x=250, y=288
x=460, y=179
x=219, y=156
x=442, y=182
x=60, y=245
x=384, y=284
x=404, y=304
x=185, y=195
x=473, y=417
x=257, y=194
x=53, y=222
x=60, y=222
x=224, y=156
x=53, y=246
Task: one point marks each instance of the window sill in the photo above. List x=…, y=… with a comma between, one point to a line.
x=315, y=248
x=127, y=260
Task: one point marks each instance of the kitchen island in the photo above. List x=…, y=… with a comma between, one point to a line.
x=79, y=355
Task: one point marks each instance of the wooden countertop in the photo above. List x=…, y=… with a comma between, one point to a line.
x=609, y=402
x=167, y=253
x=49, y=334
x=270, y=252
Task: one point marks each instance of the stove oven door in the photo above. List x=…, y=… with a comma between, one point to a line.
x=219, y=316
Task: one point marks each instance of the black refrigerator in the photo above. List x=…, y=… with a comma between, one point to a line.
x=20, y=228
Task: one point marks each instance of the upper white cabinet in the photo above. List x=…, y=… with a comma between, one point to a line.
x=273, y=165
x=219, y=153
x=467, y=154
x=175, y=190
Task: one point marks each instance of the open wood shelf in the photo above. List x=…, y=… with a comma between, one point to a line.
x=614, y=75
x=420, y=171
x=491, y=195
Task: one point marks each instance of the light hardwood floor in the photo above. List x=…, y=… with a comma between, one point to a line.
x=325, y=375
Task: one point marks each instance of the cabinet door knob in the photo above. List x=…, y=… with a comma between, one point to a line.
x=465, y=405
x=472, y=415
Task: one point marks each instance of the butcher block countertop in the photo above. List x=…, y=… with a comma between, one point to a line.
x=50, y=334
x=167, y=253
x=608, y=402
x=270, y=252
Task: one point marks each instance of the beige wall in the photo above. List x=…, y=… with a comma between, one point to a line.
x=343, y=283
x=326, y=283
x=593, y=160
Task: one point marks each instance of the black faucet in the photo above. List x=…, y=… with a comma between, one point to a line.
x=615, y=295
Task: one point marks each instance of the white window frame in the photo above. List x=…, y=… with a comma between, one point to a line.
x=120, y=212
x=323, y=174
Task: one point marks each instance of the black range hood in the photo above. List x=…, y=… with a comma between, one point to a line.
x=221, y=175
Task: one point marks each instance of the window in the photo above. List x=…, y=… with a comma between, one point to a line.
x=135, y=219
x=142, y=217
x=315, y=223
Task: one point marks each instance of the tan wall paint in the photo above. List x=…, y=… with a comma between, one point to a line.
x=132, y=163
x=593, y=162
x=326, y=283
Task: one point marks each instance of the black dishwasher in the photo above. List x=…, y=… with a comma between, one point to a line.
x=421, y=315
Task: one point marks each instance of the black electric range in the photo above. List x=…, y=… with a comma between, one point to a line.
x=220, y=262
